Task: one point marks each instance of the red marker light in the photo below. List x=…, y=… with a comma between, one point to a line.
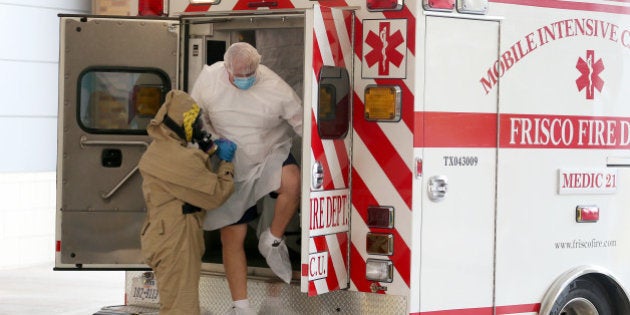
x=380, y=217
x=587, y=214
x=380, y=5
x=150, y=7
x=439, y=5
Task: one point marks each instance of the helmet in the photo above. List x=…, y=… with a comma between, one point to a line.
x=181, y=114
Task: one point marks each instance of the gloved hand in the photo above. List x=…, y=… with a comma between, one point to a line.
x=226, y=149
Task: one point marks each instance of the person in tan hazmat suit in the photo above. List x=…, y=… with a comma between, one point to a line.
x=178, y=185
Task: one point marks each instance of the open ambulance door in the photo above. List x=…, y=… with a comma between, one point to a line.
x=326, y=150
x=113, y=76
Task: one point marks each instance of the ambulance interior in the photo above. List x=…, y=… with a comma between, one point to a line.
x=280, y=41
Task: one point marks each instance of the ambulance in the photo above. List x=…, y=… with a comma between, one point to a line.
x=458, y=156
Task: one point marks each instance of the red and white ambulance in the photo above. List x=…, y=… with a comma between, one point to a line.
x=458, y=157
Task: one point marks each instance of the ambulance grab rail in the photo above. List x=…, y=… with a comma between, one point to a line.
x=85, y=142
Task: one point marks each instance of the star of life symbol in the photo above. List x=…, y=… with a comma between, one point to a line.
x=589, y=78
x=384, y=48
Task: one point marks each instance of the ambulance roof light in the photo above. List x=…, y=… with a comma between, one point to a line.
x=438, y=5
x=383, y=5
x=472, y=6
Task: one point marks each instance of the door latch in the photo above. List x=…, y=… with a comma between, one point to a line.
x=437, y=188
x=318, y=176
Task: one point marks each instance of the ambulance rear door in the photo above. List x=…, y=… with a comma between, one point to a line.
x=113, y=76
x=326, y=150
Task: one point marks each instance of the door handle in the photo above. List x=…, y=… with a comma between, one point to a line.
x=85, y=142
x=317, y=180
x=437, y=188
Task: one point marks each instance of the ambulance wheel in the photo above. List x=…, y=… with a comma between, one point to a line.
x=583, y=296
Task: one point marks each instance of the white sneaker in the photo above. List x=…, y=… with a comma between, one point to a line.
x=240, y=311
x=276, y=254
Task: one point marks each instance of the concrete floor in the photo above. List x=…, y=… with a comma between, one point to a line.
x=39, y=290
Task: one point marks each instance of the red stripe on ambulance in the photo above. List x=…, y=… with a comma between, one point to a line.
x=436, y=130
x=520, y=131
x=385, y=154
x=333, y=38
x=411, y=25
x=332, y=283
x=344, y=160
x=197, y=7
x=317, y=147
x=500, y=310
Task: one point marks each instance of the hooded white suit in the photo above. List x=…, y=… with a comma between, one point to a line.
x=261, y=121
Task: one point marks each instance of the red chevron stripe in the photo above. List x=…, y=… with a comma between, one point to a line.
x=358, y=40
x=318, y=61
x=357, y=272
x=344, y=161
x=383, y=152
x=333, y=3
x=316, y=142
x=317, y=147
x=311, y=288
x=411, y=25
x=343, y=239
x=197, y=7
x=361, y=199
x=348, y=20
x=333, y=37
x=407, y=99
x=321, y=245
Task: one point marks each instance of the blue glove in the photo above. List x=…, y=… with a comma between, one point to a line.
x=225, y=149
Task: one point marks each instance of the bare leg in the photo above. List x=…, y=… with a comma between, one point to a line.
x=234, y=259
x=288, y=199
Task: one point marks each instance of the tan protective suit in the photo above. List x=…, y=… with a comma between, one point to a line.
x=175, y=173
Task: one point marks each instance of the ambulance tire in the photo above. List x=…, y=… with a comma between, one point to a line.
x=583, y=296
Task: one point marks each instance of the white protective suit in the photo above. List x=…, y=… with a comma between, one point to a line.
x=260, y=121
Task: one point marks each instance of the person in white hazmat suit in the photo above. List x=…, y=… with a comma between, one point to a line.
x=251, y=105
x=178, y=184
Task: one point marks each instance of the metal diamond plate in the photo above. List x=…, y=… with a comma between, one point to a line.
x=278, y=298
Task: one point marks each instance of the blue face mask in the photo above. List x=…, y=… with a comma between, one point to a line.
x=244, y=83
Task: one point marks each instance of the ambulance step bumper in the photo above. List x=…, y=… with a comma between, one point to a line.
x=127, y=310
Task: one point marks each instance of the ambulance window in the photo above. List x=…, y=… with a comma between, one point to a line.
x=120, y=100
x=333, y=106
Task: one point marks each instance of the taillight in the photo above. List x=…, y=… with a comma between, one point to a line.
x=150, y=7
